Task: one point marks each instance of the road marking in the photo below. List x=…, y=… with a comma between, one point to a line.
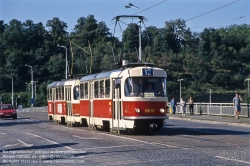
x=171, y=146
x=11, y=145
x=126, y=138
x=3, y=133
x=85, y=137
x=24, y=144
x=53, y=142
x=70, y=128
x=241, y=161
x=108, y=147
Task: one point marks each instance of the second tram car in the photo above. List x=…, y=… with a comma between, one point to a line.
x=131, y=98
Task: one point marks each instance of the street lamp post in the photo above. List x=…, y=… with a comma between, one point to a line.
x=248, y=112
x=32, y=89
x=12, y=98
x=130, y=5
x=35, y=88
x=180, y=87
x=248, y=85
x=66, y=74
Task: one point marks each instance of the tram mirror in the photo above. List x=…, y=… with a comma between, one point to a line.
x=117, y=83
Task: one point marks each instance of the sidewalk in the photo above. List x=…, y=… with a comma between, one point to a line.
x=226, y=120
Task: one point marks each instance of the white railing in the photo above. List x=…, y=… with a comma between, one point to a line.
x=34, y=109
x=222, y=109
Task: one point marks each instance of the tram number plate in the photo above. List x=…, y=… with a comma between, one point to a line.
x=149, y=110
x=147, y=72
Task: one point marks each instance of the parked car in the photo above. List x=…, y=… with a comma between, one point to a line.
x=7, y=111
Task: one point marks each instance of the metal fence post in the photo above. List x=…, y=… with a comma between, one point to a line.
x=220, y=110
x=248, y=111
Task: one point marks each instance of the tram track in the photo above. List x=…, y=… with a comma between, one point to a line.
x=168, y=136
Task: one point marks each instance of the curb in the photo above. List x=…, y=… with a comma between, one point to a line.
x=211, y=121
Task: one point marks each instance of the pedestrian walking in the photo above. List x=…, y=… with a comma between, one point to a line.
x=183, y=107
x=173, y=106
x=191, y=105
x=236, y=105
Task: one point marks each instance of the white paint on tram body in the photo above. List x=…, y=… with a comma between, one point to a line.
x=53, y=142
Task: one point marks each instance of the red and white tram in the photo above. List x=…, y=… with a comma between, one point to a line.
x=130, y=98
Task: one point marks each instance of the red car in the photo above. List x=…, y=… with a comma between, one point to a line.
x=7, y=111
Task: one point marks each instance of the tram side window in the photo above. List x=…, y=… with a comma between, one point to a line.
x=62, y=93
x=102, y=89
x=86, y=91
x=49, y=93
x=96, y=87
x=82, y=91
x=76, y=92
x=107, y=88
x=57, y=93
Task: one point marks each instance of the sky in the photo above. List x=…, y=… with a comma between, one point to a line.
x=199, y=14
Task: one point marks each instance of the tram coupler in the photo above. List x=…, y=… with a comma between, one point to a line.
x=152, y=127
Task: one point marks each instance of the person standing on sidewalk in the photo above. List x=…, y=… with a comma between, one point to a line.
x=191, y=106
x=236, y=105
x=183, y=107
x=173, y=105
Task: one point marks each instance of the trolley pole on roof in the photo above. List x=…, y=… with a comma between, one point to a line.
x=130, y=5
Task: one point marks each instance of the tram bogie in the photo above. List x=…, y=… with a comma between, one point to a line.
x=127, y=99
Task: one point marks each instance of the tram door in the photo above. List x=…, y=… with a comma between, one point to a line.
x=116, y=111
x=68, y=96
x=91, y=96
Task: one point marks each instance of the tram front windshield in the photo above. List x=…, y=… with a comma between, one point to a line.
x=145, y=87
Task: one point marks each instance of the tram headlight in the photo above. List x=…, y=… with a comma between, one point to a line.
x=137, y=110
x=162, y=110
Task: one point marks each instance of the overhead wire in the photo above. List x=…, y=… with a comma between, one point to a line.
x=145, y=10
x=212, y=10
x=222, y=21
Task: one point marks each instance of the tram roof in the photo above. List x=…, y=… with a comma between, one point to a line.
x=98, y=75
x=57, y=84
x=51, y=85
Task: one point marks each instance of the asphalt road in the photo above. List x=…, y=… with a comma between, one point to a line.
x=33, y=140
